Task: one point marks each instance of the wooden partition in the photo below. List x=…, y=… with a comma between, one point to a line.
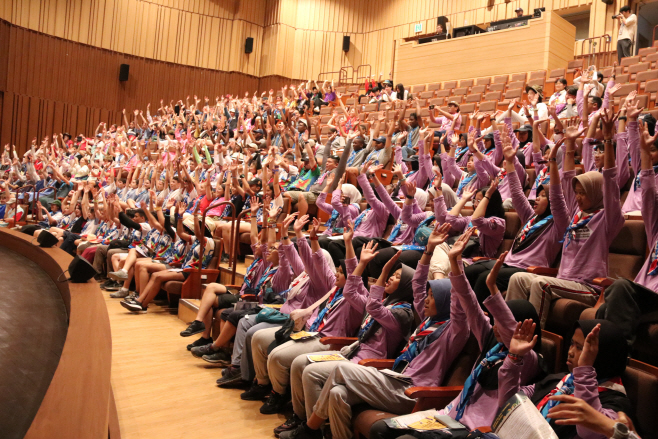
x=546, y=43
x=79, y=402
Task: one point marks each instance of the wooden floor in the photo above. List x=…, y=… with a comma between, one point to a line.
x=162, y=391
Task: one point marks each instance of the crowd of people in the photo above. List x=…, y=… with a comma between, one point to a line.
x=409, y=268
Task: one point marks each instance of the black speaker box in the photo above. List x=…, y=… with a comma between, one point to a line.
x=249, y=45
x=123, y=72
x=46, y=239
x=80, y=271
x=346, y=43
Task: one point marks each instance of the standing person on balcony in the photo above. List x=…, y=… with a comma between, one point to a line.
x=627, y=28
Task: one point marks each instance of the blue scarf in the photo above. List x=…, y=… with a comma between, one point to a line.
x=248, y=277
x=428, y=331
x=637, y=183
x=360, y=218
x=368, y=321
x=531, y=227
x=464, y=181
x=564, y=387
x=332, y=302
x=579, y=220
x=495, y=354
x=396, y=231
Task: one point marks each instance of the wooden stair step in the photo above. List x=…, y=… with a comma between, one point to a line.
x=188, y=309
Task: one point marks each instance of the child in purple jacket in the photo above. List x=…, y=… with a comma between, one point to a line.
x=426, y=358
x=387, y=323
x=597, y=360
x=592, y=214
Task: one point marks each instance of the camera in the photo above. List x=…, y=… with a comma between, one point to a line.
x=615, y=16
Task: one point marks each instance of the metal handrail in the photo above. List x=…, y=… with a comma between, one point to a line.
x=358, y=77
x=203, y=241
x=599, y=50
x=236, y=243
x=654, y=34
x=328, y=73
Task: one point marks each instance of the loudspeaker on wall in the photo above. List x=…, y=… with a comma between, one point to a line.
x=123, y=72
x=249, y=45
x=346, y=43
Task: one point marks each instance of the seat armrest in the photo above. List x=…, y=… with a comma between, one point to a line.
x=482, y=258
x=602, y=281
x=543, y=271
x=377, y=363
x=433, y=392
x=249, y=298
x=203, y=271
x=342, y=341
x=176, y=264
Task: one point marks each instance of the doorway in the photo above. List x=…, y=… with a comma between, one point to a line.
x=647, y=19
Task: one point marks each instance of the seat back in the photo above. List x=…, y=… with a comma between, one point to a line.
x=466, y=83
x=539, y=74
x=498, y=86
x=518, y=77
x=628, y=250
x=477, y=97
x=461, y=368
x=461, y=91
x=449, y=85
x=466, y=109
x=492, y=96
x=639, y=67
x=651, y=86
x=434, y=86
x=647, y=75
x=427, y=94
x=478, y=89
x=443, y=93
x=551, y=351
x=641, y=383
x=515, y=84
x=514, y=94
x=370, y=108
x=437, y=102
x=488, y=106
x=652, y=57
x=575, y=64
x=628, y=61
x=624, y=90
x=418, y=88
x=483, y=81
x=557, y=73
x=500, y=79
x=536, y=81
x=646, y=51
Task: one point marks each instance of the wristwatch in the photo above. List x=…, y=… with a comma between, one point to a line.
x=621, y=431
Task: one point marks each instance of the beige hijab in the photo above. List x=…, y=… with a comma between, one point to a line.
x=592, y=183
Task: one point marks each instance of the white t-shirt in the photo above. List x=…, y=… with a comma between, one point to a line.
x=627, y=31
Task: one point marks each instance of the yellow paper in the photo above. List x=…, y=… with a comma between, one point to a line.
x=272, y=305
x=302, y=334
x=322, y=358
x=429, y=423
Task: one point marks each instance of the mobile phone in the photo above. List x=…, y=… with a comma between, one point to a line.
x=431, y=107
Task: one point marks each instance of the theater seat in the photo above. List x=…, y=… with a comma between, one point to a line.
x=641, y=383
x=191, y=287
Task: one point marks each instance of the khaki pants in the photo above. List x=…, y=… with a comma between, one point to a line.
x=440, y=263
x=541, y=290
x=307, y=380
x=350, y=384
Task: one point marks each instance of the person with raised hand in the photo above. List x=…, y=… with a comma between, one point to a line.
x=590, y=214
x=596, y=361
x=387, y=323
x=537, y=242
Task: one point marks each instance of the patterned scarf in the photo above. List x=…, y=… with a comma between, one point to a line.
x=579, y=220
x=295, y=286
x=564, y=387
x=396, y=230
x=501, y=175
x=418, y=341
x=368, y=321
x=531, y=227
x=334, y=300
x=637, y=183
x=249, y=276
x=495, y=354
x=465, y=181
x=653, y=261
x=265, y=281
x=542, y=178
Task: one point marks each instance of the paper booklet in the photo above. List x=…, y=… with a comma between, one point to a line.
x=245, y=305
x=302, y=335
x=272, y=305
x=520, y=418
x=398, y=376
x=423, y=421
x=321, y=358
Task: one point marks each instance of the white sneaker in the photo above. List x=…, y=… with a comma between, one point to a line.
x=118, y=275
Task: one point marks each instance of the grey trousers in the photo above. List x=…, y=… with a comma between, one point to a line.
x=99, y=258
x=541, y=290
x=275, y=367
x=307, y=380
x=241, y=357
x=623, y=48
x=350, y=384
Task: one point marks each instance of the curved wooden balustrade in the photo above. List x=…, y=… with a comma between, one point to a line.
x=79, y=401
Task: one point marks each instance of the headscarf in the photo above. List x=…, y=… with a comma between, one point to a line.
x=613, y=348
x=352, y=192
x=421, y=199
x=440, y=289
x=592, y=183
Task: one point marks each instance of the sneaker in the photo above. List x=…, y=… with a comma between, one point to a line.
x=231, y=376
x=220, y=358
x=274, y=404
x=114, y=286
x=118, y=275
x=194, y=328
x=301, y=432
x=200, y=351
x=224, y=259
x=200, y=342
x=120, y=294
x=133, y=306
x=256, y=392
x=130, y=299
x=291, y=424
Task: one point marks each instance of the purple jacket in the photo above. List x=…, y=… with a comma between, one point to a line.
x=586, y=388
x=345, y=318
x=543, y=251
x=281, y=278
x=374, y=223
x=430, y=366
x=337, y=205
x=480, y=409
x=621, y=157
x=634, y=199
x=492, y=171
x=583, y=260
x=491, y=231
x=650, y=215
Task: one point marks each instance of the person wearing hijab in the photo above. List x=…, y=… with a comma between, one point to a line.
x=628, y=303
x=473, y=406
x=537, y=243
x=466, y=179
x=425, y=359
x=591, y=215
x=297, y=294
x=633, y=203
x=408, y=221
x=340, y=316
x=387, y=324
x=596, y=362
x=303, y=300
x=347, y=197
